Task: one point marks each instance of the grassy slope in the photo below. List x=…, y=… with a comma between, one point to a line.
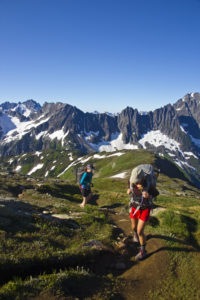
x=27, y=242
x=54, y=161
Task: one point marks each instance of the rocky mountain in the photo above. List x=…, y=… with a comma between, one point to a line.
x=172, y=130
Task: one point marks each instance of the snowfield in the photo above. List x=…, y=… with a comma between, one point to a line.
x=156, y=138
x=116, y=143
x=22, y=128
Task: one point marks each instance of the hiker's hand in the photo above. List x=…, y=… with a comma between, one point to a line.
x=129, y=191
x=145, y=194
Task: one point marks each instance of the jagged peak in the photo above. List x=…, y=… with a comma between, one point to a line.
x=129, y=110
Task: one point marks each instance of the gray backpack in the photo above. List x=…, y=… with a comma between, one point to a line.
x=145, y=173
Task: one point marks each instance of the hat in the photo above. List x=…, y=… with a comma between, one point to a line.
x=90, y=167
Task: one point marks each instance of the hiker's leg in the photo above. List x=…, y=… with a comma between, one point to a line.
x=89, y=197
x=83, y=202
x=140, y=232
x=134, y=223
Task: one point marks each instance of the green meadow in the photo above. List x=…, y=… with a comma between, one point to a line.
x=45, y=236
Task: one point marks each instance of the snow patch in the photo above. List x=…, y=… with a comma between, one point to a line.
x=181, y=164
x=97, y=156
x=46, y=174
x=120, y=175
x=39, y=135
x=156, y=138
x=116, y=154
x=34, y=169
x=69, y=166
x=52, y=168
x=70, y=156
x=116, y=143
x=38, y=153
x=190, y=154
x=85, y=160
x=22, y=128
x=11, y=161
x=22, y=109
x=18, y=168
x=59, y=135
x=74, y=163
x=171, y=154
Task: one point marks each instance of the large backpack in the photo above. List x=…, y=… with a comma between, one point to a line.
x=79, y=174
x=145, y=172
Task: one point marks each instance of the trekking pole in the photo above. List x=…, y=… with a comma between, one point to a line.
x=139, y=206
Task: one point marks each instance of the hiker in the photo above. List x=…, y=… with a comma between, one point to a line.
x=85, y=184
x=142, y=188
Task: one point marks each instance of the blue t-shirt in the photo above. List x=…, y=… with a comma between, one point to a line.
x=86, y=180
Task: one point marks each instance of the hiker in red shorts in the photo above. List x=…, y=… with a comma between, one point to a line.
x=142, y=189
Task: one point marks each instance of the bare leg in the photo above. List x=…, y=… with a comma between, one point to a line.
x=140, y=232
x=84, y=202
x=134, y=223
x=142, y=238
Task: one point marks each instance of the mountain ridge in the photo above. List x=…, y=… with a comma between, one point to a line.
x=172, y=130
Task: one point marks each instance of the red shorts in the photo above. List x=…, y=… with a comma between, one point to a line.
x=142, y=214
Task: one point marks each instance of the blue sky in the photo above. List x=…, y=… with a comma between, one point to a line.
x=99, y=54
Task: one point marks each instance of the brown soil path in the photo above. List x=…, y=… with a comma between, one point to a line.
x=144, y=275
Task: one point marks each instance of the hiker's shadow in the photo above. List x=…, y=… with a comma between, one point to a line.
x=17, y=216
x=93, y=199
x=112, y=206
x=63, y=191
x=188, y=246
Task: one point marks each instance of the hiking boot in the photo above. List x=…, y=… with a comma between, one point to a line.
x=141, y=255
x=135, y=238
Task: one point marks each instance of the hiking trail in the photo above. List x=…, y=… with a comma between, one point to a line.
x=145, y=275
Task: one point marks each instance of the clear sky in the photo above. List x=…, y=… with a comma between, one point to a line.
x=99, y=54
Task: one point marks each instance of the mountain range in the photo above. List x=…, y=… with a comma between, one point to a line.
x=172, y=131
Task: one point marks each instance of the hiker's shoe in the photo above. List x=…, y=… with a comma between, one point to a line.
x=141, y=255
x=135, y=238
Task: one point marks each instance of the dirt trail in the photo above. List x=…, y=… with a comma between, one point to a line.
x=145, y=275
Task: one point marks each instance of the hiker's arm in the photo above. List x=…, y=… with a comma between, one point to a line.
x=145, y=194
x=128, y=190
x=83, y=178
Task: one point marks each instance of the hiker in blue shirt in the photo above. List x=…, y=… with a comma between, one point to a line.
x=85, y=185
